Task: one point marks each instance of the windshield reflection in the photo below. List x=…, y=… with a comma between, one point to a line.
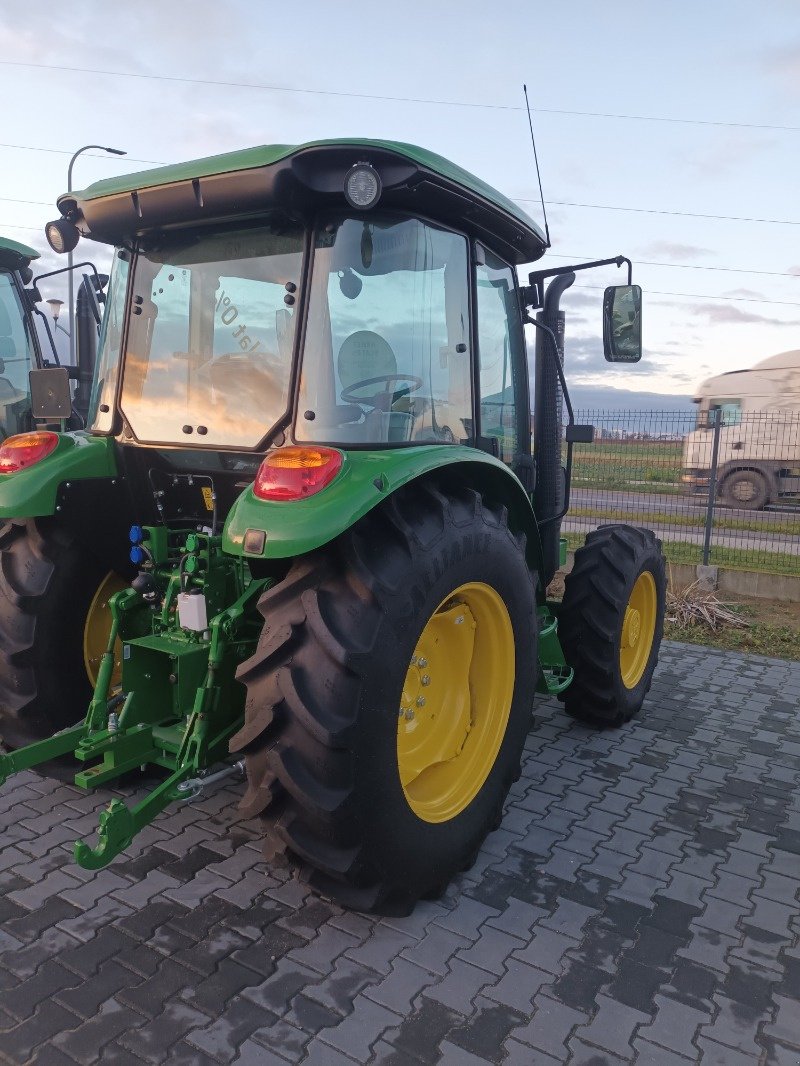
x=211, y=336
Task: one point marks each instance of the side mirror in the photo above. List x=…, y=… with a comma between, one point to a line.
x=622, y=323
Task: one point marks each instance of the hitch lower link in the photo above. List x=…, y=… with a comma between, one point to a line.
x=183, y=726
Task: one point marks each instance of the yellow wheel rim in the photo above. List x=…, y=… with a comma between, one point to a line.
x=98, y=626
x=638, y=630
x=456, y=702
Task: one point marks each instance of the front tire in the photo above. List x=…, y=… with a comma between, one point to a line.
x=611, y=623
x=389, y=699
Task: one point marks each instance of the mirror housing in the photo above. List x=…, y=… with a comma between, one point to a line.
x=622, y=323
x=51, y=397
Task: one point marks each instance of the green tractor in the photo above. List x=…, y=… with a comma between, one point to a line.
x=304, y=538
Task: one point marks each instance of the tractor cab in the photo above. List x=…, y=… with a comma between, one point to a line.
x=343, y=295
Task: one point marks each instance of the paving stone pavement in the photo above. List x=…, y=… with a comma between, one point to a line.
x=638, y=904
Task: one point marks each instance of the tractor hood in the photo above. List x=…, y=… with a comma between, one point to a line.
x=301, y=178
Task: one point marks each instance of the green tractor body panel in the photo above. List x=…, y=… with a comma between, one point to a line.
x=366, y=479
x=31, y=493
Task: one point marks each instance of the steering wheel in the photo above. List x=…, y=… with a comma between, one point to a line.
x=384, y=398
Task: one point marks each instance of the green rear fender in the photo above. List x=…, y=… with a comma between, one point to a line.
x=367, y=478
x=32, y=492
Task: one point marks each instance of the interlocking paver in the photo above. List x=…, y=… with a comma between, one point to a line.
x=640, y=902
x=85, y=1043
x=401, y=987
x=435, y=949
x=613, y=1027
x=359, y=1031
x=550, y=1027
x=490, y=950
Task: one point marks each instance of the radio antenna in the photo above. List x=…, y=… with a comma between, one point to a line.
x=538, y=173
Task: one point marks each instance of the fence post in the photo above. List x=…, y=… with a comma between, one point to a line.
x=712, y=485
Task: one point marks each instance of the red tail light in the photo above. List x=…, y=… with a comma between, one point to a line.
x=24, y=450
x=297, y=472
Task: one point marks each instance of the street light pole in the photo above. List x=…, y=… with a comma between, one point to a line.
x=71, y=304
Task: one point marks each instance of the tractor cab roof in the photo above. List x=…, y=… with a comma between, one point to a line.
x=15, y=256
x=301, y=178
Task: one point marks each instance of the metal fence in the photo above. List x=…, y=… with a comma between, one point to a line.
x=720, y=488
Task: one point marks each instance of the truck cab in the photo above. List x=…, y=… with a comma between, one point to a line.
x=758, y=415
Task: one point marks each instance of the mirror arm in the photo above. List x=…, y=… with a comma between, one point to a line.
x=50, y=337
x=75, y=266
x=533, y=293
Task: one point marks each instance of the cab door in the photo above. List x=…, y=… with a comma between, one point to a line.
x=504, y=400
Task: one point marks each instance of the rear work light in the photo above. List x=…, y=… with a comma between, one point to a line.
x=17, y=453
x=297, y=472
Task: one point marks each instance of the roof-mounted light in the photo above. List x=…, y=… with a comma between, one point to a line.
x=362, y=186
x=61, y=235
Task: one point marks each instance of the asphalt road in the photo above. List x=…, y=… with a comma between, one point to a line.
x=695, y=506
x=760, y=537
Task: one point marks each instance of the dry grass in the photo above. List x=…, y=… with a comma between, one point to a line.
x=696, y=605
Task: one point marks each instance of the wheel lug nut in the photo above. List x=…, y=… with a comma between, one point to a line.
x=420, y=702
x=426, y=680
x=422, y=663
x=410, y=715
x=459, y=619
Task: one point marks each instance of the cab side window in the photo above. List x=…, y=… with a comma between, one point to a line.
x=731, y=411
x=500, y=353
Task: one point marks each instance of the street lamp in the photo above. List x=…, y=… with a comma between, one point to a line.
x=55, y=310
x=86, y=148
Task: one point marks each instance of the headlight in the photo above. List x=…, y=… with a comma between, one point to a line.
x=61, y=235
x=362, y=186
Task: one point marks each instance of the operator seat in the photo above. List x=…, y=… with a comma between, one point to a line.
x=363, y=355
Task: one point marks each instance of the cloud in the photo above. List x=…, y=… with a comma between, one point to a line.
x=727, y=153
x=784, y=63
x=729, y=314
x=746, y=294
x=574, y=298
x=674, y=251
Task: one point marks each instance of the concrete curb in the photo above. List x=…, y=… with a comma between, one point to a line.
x=755, y=584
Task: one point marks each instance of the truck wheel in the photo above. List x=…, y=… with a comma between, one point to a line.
x=49, y=627
x=389, y=699
x=611, y=622
x=748, y=489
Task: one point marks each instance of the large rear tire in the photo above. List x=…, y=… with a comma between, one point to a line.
x=611, y=623
x=47, y=585
x=389, y=699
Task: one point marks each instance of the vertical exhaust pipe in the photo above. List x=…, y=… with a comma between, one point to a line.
x=549, y=493
x=85, y=344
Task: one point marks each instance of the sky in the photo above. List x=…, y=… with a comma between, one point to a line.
x=649, y=118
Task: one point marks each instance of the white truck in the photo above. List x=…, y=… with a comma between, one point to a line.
x=758, y=458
